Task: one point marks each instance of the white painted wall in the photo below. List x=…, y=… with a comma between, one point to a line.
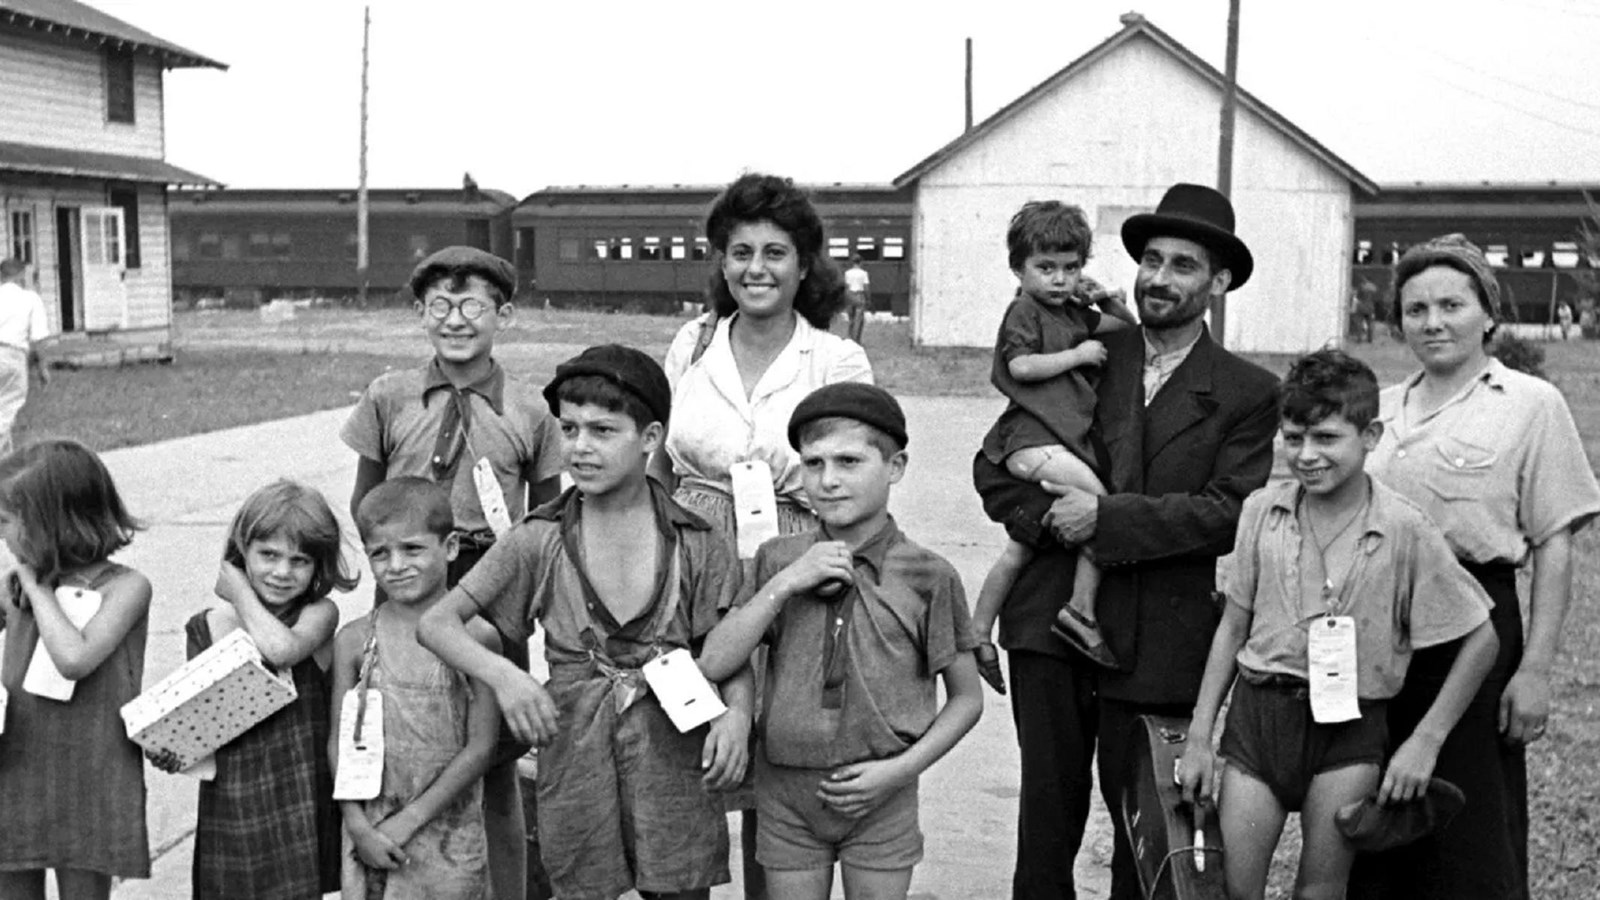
x=1112, y=139
x=54, y=96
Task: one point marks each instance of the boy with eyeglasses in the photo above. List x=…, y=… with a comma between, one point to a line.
x=464, y=421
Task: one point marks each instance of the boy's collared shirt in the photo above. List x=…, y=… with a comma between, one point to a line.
x=1404, y=587
x=907, y=622
x=397, y=420
x=528, y=578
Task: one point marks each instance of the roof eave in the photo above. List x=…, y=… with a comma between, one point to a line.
x=172, y=56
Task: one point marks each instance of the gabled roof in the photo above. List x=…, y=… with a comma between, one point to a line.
x=1137, y=26
x=77, y=20
x=88, y=164
x=451, y=202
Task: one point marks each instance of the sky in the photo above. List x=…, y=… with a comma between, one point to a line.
x=525, y=94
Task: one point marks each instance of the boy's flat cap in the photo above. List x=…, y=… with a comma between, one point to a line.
x=624, y=367
x=865, y=403
x=1370, y=827
x=465, y=260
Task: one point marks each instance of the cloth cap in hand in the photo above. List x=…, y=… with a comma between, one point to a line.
x=1370, y=827
x=865, y=403
x=453, y=261
x=624, y=367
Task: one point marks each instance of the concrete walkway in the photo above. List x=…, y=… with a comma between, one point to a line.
x=187, y=490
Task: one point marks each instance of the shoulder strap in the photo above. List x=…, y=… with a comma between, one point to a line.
x=708, y=331
x=369, y=657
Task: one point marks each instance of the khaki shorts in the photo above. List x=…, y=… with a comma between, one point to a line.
x=795, y=830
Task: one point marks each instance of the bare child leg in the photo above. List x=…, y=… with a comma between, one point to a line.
x=1252, y=821
x=875, y=884
x=799, y=884
x=1326, y=857
x=24, y=885
x=996, y=586
x=78, y=884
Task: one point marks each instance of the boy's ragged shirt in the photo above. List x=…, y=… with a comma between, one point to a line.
x=529, y=578
x=1404, y=579
x=908, y=622
x=396, y=422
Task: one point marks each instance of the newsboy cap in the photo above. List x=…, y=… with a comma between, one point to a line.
x=452, y=261
x=624, y=367
x=865, y=403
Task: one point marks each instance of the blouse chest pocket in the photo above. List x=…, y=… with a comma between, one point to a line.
x=1461, y=470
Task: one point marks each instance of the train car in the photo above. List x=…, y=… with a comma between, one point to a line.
x=644, y=249
x=250, y=246
x=1528, y=231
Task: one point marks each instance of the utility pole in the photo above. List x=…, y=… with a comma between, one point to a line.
x=361, y=187
x=969, y=86
x=1230, y=102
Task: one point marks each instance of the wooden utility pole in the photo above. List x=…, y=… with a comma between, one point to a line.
x=1230, y=102
x=969, y=85
x=361, y=186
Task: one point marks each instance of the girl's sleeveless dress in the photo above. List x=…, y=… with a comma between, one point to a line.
x=424, y=727
x=72, y=792
x=268, y=828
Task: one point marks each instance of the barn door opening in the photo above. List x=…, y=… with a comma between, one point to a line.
x=105, y=296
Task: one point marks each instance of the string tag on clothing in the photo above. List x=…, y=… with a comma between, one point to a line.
x=490, y=497
x=1332, y=655
x=755, y=505
x=360, y=774
x=683, y=691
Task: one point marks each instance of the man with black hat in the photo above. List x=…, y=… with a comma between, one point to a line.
x=1184, y=434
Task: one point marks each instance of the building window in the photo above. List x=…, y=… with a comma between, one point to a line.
x=838, y=248
x=127, y=200
x=418, y=244
x=680, y=249
x=602, y=249
x=22, y=235
x=210, y=245
x=261, y=244
x=622, y=248
x=232, y=244
x=119, y=85
x=282, y=247
x=894, y=248
x=867, y=248
x=1498, y=255
x=1564, y=254
x=568, y=249
x=650, y=249
x=1363, y=253
x=702, y=248
x=1532, y=257
x=181, y=248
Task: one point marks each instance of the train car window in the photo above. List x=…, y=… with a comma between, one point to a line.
x=1392, y=254
x=351, y=239
x=210, y=245
x=282, y=246
x=181, y=248
x=702, y=248
x=650, y=249
x=1564, y=254
x=260, y=244
x=838, y=248
x=894, y=248
x=867, y=248
x=232, y=244
x=1363, y=255
x=1532, y=258
x=602, y=249
x=1497, y=254
x=418, y=244
x=622, y=248
x=567, y=248
x=680, y=248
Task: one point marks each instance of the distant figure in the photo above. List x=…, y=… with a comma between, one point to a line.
x=1564, y=318
x=858, y=296
x=23, y=324
x=1364, y=306
x=1586, y=318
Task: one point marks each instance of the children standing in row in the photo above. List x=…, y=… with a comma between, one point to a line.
x=266, y=828
x=1335, y=579
x=860, y=622
x=1044, y=359
x=423, y=835
x=71, y=783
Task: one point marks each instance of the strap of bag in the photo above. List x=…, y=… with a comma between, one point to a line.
x=708, y=330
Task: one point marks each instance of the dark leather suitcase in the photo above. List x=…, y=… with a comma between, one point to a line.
x=1173, y=862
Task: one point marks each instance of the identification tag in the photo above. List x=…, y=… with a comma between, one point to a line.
x=1332, y=652
x=43, y=679
x=684, y=693
x=360, y=775
x=755, y=505
x=491, y=498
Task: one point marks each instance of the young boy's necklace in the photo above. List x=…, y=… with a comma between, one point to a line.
x=1322, y=548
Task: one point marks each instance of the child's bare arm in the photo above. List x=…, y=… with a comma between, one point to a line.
x=1115, y=314
x=728, y=647
x=528, y=709
x=1197, y=769
x=726, y=753
x=280, y=645
x=469, y=763
x=369, y=474
x=76, y=654
x=856, y=789
x=1412, y=764
x=1044, y=366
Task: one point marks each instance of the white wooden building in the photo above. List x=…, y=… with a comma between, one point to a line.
x=83, y=179
x=1110, y=133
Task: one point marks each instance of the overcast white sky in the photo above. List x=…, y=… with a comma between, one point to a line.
x=529, y=93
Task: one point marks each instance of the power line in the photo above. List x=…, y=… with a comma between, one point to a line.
x=1576, y=129
x=1516, y=84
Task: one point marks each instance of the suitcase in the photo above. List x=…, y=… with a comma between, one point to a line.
x=1173, y=862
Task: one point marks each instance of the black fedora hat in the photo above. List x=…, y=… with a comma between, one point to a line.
x=1197, y=213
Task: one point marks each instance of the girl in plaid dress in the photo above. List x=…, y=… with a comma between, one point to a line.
x=268, y=828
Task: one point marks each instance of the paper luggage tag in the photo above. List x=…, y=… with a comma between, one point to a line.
x=43, y=679
x=360, y=775
x=755, y=505
x=1332, y=652
x=684, y=693
x=491, y=498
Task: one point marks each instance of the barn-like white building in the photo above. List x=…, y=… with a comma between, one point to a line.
x=1111, y=132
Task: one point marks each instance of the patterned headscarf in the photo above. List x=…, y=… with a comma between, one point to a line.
x=1456, y=251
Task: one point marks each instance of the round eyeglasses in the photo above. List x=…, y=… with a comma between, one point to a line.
x=472, y=308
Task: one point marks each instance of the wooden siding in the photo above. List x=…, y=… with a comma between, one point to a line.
x=1111, y=140
x=55, y=96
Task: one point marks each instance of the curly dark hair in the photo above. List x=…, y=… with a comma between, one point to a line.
x=1047, y=226
x=1325, y=383
x=755, y=197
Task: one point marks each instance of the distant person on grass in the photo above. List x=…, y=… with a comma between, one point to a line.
x=464, y=421
x=23, y=325
x=858, y=297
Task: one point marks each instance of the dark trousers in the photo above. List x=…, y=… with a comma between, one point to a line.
x=1483, y=852
x=1059, y=720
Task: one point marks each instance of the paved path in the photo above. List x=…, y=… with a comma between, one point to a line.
x=188, y=489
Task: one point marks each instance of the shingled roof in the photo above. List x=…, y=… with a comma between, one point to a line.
x=76, y=20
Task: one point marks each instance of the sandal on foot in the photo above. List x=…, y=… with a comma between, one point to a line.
x=1083, y=635
x=989, y=665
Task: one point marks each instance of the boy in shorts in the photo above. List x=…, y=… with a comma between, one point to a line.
x=462, y=420
x=1335, y=579
x=618, y=574
x=859, y=622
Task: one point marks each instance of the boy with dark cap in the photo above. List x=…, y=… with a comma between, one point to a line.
x=463, y=421
x=859, y=621
x=620, y=577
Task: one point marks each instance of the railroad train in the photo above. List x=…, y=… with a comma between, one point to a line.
x=643, y=248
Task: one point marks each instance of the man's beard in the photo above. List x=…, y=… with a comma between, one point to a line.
x=1177, y=314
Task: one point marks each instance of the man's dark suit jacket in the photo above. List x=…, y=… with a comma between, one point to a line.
x=1179, y=472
